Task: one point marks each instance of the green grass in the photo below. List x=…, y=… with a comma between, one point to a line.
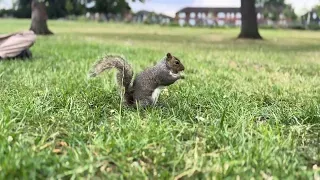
x=246, y=108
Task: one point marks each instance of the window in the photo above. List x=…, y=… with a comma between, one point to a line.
x=238, y=22
x=232, y=15
x=221, y=15
x=281, y=16
x=182, y=15
x=220, y=22
x=259, y=16
x=210, y=14
x=238, y=15
x=192, y=15
x=228, y=15
x=192, y=22
x=182, y=22
x=314, y=16
x=199, y=15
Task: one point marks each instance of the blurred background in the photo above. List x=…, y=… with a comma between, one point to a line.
x=296, y=14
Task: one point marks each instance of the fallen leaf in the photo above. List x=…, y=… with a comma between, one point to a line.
x=62, y=144
x=58, y=151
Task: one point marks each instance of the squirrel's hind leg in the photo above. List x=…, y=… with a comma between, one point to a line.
x=145, y=102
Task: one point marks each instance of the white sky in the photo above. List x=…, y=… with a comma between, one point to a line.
x=169, y=7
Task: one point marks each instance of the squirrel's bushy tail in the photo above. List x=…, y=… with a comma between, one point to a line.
x=124, y=75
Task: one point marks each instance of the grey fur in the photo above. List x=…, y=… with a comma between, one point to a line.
x=150, y=79
x=145, y=82
x=125, y=73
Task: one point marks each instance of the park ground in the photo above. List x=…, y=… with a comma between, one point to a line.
x=246, y=108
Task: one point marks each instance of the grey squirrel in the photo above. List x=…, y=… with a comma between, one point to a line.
x=146, y=87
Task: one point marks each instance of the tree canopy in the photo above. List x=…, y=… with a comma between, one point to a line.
x=274, y=7
x=62, y=8
x=317, y=9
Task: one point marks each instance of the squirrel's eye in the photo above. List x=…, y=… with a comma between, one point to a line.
x=177, y=62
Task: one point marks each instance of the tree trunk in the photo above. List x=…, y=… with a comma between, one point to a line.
x=39, y=18
x=249, y=24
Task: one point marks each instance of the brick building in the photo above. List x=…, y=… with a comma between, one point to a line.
x=151, y=17
x=219, y=16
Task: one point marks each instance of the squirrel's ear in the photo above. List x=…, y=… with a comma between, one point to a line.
x=169, y=56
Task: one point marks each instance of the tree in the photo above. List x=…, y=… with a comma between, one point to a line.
x=317, y=9
x=249, y=24
x=42, y=9
x=111, y=6
x=56, y=8
x=275, y=7
x=39, y=18
x=289, y=12
x=22, y=8
x=75, y=7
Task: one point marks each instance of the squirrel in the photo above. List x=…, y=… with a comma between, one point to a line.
x=147, y=85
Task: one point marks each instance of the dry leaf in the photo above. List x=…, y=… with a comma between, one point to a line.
x=62, y=143
x=58, y=151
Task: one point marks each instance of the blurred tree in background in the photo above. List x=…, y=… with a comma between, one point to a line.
x=62, y=8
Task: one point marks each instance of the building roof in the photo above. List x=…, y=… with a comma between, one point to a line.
x=143, y=12
x=208, y=9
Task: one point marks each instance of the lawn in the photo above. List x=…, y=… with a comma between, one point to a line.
x=246, y=108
